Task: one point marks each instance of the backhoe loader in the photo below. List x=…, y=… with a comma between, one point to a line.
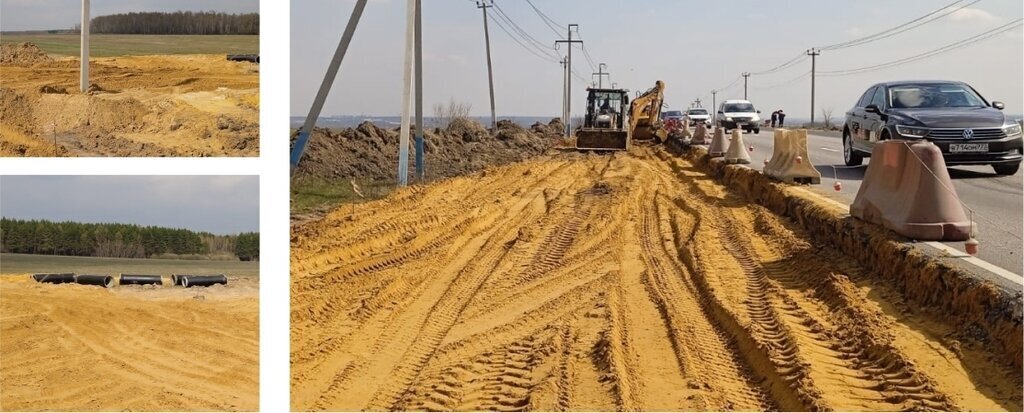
x=604, y=126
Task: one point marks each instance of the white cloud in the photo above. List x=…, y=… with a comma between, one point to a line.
x=972, y=14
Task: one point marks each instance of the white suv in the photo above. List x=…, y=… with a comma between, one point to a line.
x=738, y=113
x=699, y=115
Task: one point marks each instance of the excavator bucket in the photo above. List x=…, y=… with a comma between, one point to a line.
x=602, y=140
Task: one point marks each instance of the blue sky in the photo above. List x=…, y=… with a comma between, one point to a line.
x=693, y=46
x=216, y=204
x=63, y=14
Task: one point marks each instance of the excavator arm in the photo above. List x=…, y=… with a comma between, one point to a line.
x=645, y=114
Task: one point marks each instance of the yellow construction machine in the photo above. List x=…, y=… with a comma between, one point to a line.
x=604, y=127
x=645, y=114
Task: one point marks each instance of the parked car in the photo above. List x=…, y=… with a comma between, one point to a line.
x=967, y=128
x=736, y=113
x=671, y=114
x=698, y=115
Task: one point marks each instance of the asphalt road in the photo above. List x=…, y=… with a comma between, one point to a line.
x=997, y=201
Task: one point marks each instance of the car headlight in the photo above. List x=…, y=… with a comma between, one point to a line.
x=911, y=131
x=1011, y=129
x=728, y=118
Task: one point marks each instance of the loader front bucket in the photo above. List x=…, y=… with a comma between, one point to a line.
x=602, y=140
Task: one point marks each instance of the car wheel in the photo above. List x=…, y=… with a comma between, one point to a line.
x=1006, y=169
x=757, y=131
x=851, y=157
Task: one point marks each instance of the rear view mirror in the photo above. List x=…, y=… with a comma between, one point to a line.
x=872, y=108
x=998, y=105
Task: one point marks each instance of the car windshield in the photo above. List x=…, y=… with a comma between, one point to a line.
x=698, y=112
x=673, y=114
x=739, y=107
x=934, y=96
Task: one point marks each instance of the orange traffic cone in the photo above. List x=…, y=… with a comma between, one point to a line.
x=838, y=186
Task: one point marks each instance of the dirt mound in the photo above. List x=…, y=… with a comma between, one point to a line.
x=23, y=54
x=188, y=105
x=370, y=152
x=85, y=348
x=623, y=282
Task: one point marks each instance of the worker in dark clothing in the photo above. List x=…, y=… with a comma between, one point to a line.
x=775, y=118
x=782, y=118
x=606, y=106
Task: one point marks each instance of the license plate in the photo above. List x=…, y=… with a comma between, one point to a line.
x=968, y=147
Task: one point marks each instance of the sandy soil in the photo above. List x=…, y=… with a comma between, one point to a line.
x=185, y=105
x=85, y=348
x=618, y=282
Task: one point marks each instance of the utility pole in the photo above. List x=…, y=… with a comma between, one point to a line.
x=568, y=78
x=698, y=102
x=325, y=86
x=490, y=77
x=814, y=54
x=746, y=75
x=565, y=94
x=600, y=73
x=403, y=137
x=714, y=104
x=419, y=91
x=85, y=47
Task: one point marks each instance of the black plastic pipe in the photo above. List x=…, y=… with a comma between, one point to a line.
x=202, y=280
x=255, y=58
x=141, y=279
x=174, y=279
x=54, y=278
x=105, y=281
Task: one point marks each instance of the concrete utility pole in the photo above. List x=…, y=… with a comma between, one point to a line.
x=403, y=140
x=490, y=77
x=325, y=86
x=600, y=75
x=746, y=75
x=714, y=105
x=568, y=78
x=565, y=94
x=419, y=91
x=85, y=46
x=814, y=54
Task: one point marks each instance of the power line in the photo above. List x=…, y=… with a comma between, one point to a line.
x=930, y=53
x=788, y=82
x=501, y=13
x=789, y=63
x=544, y=57
x=547, y=20
x=915, y=23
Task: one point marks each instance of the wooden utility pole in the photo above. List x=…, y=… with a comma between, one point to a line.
x=814, y=54
x=85, y=47
x=490, y=77
x=568, y=78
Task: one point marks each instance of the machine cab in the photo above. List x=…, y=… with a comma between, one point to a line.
x=606, y=108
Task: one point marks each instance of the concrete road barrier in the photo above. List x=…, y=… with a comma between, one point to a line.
x=717, y=146
x=700, y=136
x=737, y=152
x=790, y=161
x=907, y=189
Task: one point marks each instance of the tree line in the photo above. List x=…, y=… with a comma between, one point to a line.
x=180, y=22
x=119, y=240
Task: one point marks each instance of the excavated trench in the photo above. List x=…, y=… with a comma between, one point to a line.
x=614, y=282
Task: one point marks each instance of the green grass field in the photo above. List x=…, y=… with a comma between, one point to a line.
x=313, y=194
x=25, y=263
x=106, y=45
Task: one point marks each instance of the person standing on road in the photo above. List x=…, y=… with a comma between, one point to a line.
x=782, y=117
x=775, y=117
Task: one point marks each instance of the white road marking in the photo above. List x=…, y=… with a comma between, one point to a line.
x=829, y=149
x=953, y=252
